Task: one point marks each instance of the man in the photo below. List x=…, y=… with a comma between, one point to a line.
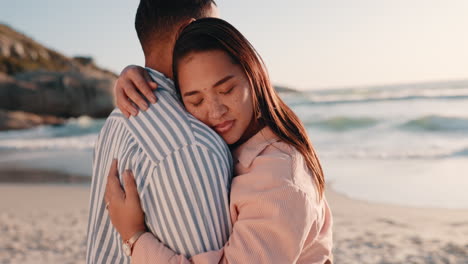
x=183, y=169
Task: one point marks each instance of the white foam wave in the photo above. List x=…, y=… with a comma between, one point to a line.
x=380, y=95
x=83, y=142
x=441, y=90
x=77, y=133
x=397, y=155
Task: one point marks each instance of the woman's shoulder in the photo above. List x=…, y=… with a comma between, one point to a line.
x=277, y=154
x=288, y=156
x=283, y=165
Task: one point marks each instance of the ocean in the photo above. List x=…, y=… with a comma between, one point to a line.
x=396, y=144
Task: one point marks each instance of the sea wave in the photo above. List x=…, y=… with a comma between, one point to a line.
x=368, y=99
x=83, y=142
x=343, y=123
x=436, y=123
x=460, y=153
x=73, y=127
x=76, y=133
x=446, y=91
x=422, y=154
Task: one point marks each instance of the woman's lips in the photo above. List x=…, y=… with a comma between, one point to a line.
x=224, y=127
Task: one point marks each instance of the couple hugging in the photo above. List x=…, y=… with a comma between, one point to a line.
x=216, y=168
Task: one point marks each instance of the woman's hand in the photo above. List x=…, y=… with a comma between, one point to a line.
x=124, y=205
x=133, y=82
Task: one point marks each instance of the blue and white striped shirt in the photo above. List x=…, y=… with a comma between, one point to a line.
x=183, y=171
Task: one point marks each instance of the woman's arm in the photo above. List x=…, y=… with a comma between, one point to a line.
x=271, y=227
x=133, y=83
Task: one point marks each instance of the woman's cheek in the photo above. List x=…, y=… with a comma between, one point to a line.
x=192, y=110
x=196, y=113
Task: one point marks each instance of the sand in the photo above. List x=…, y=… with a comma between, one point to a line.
x=377, y=233
x=43, y=223
x=46, y=223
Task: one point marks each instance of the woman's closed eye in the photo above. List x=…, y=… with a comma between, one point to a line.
x=197, y=103
x=228, y=91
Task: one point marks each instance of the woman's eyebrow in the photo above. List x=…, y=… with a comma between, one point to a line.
x=218, y=83
x=191, y=93
x=223, y=80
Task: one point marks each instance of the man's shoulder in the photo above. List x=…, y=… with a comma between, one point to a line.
x=115, y=121
x=166, y=127
x=207, y=138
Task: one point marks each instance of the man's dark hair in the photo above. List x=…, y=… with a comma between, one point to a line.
x=158, y=17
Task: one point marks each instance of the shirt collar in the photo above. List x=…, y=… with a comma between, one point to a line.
x=248, y=151
x=162, y=81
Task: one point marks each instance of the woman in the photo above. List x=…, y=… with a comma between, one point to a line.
x=278, y=209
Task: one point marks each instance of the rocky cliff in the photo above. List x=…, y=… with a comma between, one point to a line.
x=40, y=83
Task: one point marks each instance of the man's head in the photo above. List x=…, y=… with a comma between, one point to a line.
x=158, y=21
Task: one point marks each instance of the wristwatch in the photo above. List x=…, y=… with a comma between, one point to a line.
x=128, y=245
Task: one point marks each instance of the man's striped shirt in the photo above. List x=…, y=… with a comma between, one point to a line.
x=183, y=171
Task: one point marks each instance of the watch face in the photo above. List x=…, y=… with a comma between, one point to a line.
x=127, y=249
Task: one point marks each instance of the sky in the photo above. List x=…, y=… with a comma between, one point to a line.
x=306, y=44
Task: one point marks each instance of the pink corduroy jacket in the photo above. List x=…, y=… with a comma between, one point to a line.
x=275, y=210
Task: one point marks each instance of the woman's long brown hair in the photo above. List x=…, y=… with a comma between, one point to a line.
x=216, y=34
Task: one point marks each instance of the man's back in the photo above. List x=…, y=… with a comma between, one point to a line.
x=183, y=172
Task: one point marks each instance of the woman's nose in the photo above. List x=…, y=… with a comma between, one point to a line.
x=217, y=109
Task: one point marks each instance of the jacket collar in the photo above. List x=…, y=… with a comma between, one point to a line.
x=248, y=151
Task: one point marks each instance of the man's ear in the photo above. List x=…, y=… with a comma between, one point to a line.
x=183, y=25
x=214, y=10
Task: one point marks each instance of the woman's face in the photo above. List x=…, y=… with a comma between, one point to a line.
x=217, y=92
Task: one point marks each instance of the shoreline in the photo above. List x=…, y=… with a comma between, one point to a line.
x=388, y=182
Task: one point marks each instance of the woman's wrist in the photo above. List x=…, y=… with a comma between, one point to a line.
x=138, y=239
x=129, y=235
x=129, y=244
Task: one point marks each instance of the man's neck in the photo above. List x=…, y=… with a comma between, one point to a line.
x=160, y=60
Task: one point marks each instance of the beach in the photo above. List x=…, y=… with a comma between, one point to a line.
x=46, y=223
x=380, y=88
